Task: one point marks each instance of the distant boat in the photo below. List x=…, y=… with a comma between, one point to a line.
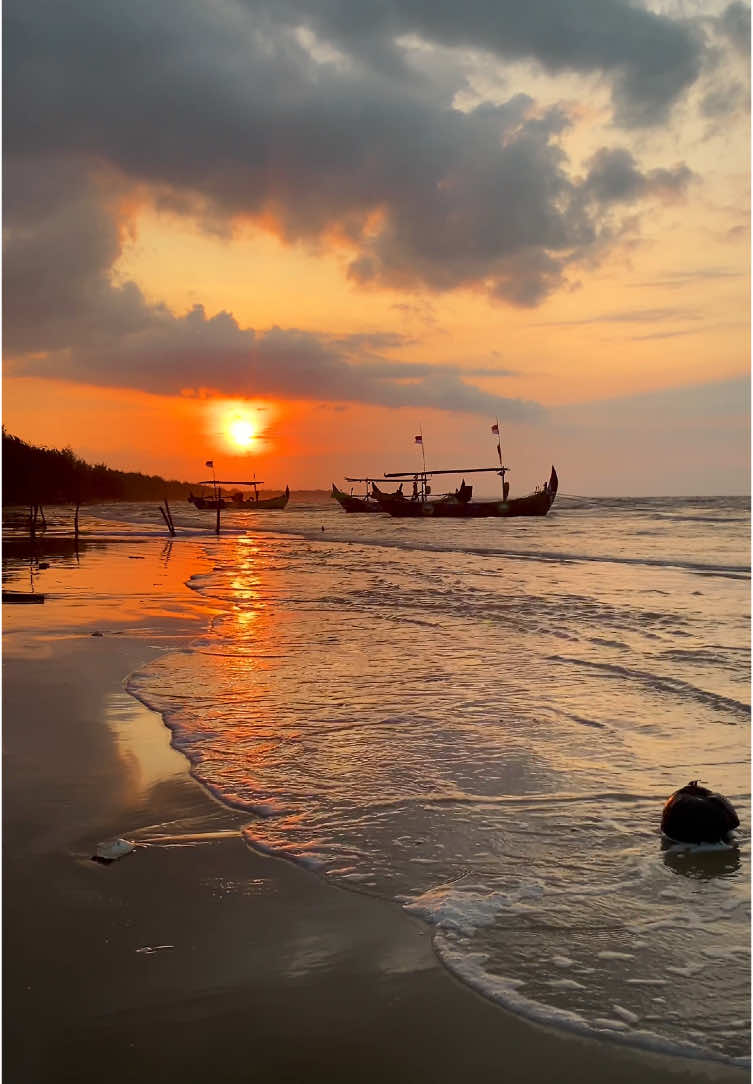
x=368, y=502
x=236, y=502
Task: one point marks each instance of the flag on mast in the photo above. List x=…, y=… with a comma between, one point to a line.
x=209, y=463
x=419, y=440
x=495, y=428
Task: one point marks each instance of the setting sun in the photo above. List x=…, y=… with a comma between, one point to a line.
x=241, y=431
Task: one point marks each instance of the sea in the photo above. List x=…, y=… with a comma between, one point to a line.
x=481, y=721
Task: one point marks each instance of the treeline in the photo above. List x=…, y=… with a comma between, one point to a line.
x=34, y=475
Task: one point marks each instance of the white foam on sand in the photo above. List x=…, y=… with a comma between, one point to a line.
x=454, y=909
x=457, y=912
x=469, y=967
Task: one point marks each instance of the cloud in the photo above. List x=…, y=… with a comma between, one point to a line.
x=195, y=353
x=65, y=318
x=614, y=177
x=650, y=58
x=627, y=316
x=693, y=403
x=734, y=24
x=680, y=279
x=311, y=118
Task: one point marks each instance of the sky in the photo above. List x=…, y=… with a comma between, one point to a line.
x=289, y=235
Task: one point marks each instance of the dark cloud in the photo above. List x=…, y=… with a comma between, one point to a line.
x=223, y=111
x=194, y=353
x=724, y=99
x=65, y=318
x=310, y=117
x=614, y=177
x=734, y=24
x=61, y=238
x=652, y=59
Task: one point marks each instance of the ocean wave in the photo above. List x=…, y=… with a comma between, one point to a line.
x=662, y=683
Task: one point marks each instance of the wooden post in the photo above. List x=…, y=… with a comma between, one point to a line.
x=217, y=528
x=75, y=521
x=167, y=516
x=167, y=520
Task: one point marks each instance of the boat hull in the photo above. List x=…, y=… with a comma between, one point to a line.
x=240, y=506
x=536, y=504
x=354, y=504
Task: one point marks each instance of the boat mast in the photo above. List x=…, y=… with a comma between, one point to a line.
x=420, y=440
x=502, y=470
x=210, y=463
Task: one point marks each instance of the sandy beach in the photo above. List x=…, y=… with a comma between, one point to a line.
x=195, y=957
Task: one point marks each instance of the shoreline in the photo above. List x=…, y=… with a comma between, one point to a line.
x=276, y=971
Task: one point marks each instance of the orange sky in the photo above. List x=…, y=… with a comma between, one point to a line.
x=583, y=274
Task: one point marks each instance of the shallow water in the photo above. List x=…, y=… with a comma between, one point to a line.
x=482, y=720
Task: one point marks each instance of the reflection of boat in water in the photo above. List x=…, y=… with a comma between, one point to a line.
x=368, y=502
x=235, y=501
x=22, y=597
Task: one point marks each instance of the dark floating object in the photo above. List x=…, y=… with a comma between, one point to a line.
x=695, y=814
x=22, y=597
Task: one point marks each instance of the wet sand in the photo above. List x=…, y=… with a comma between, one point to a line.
x=195, y=957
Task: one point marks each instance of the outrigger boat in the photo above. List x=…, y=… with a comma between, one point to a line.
x=235, y=501
x=460, y=503
x=368, y=502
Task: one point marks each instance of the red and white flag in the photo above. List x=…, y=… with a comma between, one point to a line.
x=419, y=440
x=495, y=428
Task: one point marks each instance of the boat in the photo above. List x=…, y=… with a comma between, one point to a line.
x=459, y=504
x=368, y=502
x=351, y=503
x=235, y=501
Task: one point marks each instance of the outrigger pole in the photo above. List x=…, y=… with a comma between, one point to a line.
x=406, y=476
